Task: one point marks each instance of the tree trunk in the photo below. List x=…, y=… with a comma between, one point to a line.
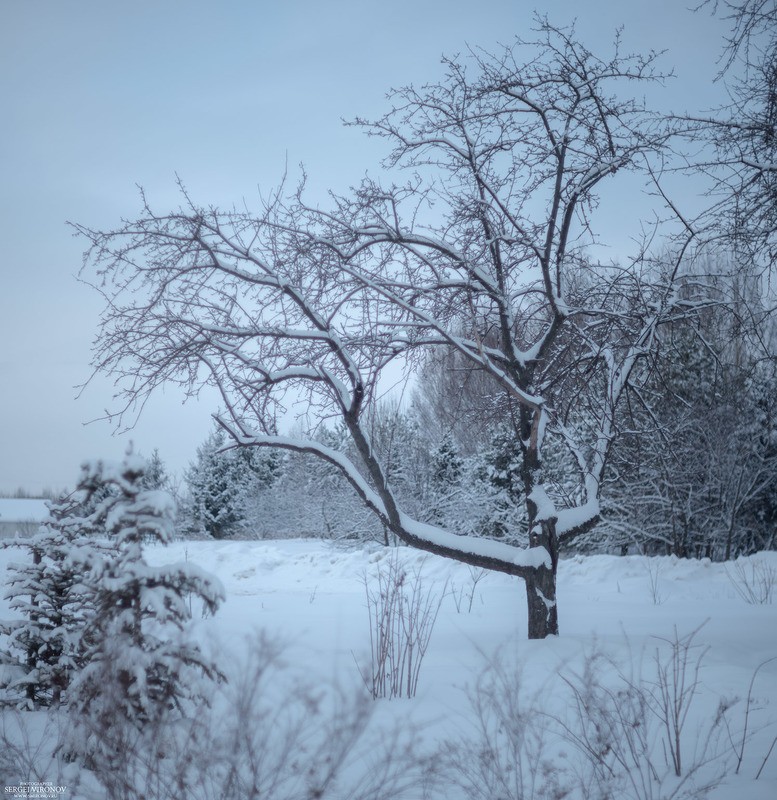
x=541, y=600
x=541, y=583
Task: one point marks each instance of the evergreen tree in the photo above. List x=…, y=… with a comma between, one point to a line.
x=224, y=485
x=445, y=476
x=446, y=463
x=140, y=664
x=499, y=474
x=44, y=647
x=211, y=489
x=155, y=476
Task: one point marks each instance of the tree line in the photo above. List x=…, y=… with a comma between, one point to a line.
x=694, y=473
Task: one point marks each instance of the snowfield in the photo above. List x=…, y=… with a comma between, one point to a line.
x=310, y=595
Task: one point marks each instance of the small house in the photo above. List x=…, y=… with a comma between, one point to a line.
x=21, y=516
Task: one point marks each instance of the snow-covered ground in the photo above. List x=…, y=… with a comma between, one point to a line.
x=311, y=595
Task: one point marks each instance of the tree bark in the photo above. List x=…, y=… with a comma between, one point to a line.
x=541, y=585
x=541, y=600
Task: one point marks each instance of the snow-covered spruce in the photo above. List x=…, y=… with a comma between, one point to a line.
x=41, y=649
x=140, y=662
x=223, y=483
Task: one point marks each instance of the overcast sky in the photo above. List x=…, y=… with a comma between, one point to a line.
x=97, y=97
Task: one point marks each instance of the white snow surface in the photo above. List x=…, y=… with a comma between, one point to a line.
x=312, y=594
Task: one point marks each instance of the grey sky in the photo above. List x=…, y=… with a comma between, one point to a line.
x=98, y=96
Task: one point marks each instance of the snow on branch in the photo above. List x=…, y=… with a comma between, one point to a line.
x=481, y=552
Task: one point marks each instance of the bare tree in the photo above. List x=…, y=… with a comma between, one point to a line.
x=453, y=396
x=742, y=163
x=481, y=251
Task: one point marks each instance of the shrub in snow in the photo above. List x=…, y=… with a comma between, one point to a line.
x=464, y=596
x=41, y=650
x=634, y=733
x=595, y=733
x=507, y=753
x=140, y=663
x=267, y=732
x=754, y=580
x=402, y=613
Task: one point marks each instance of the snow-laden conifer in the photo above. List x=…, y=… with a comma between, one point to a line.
x=141, y=664
x=42, y=648
x=224, y=483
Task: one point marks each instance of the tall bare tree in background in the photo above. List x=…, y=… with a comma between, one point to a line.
x=479, y=250
x=743, y=133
